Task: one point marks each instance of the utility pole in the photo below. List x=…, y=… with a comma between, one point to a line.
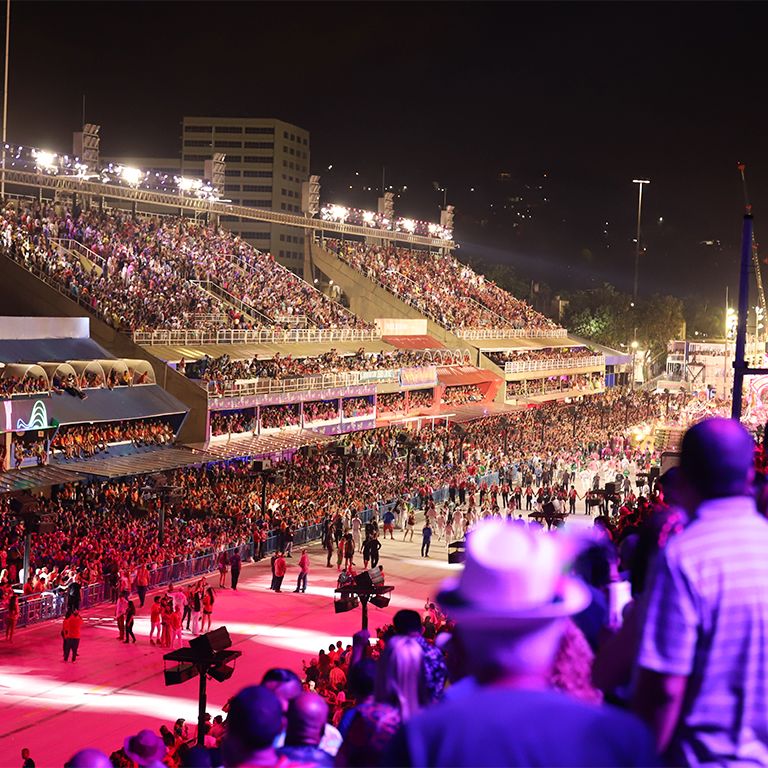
x=639, y=183
x=5, y=90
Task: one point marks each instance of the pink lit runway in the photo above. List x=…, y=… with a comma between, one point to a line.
x=114, y=689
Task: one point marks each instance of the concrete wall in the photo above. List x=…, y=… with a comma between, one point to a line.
x=22, y=294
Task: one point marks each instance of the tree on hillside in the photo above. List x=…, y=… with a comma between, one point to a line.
x=606, y=316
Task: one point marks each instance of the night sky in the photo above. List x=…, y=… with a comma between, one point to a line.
x=577, y=99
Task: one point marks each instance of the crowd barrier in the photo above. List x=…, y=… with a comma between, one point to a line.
x=53, y=605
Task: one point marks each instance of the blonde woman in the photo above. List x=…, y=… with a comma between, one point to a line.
x=399, y=693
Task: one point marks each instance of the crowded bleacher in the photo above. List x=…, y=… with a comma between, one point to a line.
x=548, y=354
x=149, y=272
x=441, y=287
x=283, y=367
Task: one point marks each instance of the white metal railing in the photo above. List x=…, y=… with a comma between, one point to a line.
x=510, y=333
x=265, y=386
x=213, y=288
x=193, y=337
x=554, y=363
x=81, y=250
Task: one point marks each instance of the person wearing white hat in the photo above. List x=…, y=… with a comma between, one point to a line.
x=511, y=604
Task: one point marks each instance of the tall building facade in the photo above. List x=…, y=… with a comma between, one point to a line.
x=266, y=162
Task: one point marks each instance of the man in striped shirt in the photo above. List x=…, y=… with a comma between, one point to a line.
x=703, y=660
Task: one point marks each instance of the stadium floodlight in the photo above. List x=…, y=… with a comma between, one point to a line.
x=46, y=161
x=130, y=175
x=188, y=185
x=339, y=212
x=369, y=218
x=409, y=225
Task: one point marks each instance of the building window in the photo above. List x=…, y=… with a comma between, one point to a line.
x=197, y=128
x=258, y=174
x=285, y=134
x=266, y=131
x=259, y=145
x=258, y=160
x=257, y=203
x=256, y=188
x=228, y=129
x=232, y=159
x=237, y=144
x=231, y=187
x=197, y=143
x=228, y=173
x=195, y=158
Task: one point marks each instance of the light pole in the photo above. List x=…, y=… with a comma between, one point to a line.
x=639, y=183
x=5, y=90
x=634, y=346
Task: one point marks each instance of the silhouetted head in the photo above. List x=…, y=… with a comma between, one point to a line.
x=717, y=459
x=307, y=716
x=254, y=720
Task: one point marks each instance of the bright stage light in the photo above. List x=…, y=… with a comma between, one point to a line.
x=130, y=175
x=369, y=217
x=339, y=212
x=44, y=160
x=409, y=225
x=187, y=185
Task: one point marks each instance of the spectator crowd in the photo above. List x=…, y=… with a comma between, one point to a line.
x=441, y=287
x=152, y=272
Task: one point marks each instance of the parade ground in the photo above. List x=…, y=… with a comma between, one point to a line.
x=114, y=690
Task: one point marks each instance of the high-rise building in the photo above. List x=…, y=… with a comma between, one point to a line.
x=266, y=162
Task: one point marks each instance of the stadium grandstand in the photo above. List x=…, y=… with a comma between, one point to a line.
x=176, y=404
x=421, y=335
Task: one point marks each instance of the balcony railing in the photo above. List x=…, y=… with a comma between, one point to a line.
x=267, y=386
x=510, y=333
x=554, y=363
x=191, y=337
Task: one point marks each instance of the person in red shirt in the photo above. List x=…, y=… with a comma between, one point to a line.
x=154, y=621
x=70, y=632
x=208, y=600
x=280, y=569
x=301, y=581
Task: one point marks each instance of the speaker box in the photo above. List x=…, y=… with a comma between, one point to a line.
x=370, y=578
x=221, y=672
x=180, y=673
x=457, y=557
x=655, y=473
x=23, y=504
x=261, y=465
x=344, y=604
x=210, y=642
x=610, y=489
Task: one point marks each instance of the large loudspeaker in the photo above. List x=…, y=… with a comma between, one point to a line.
x=23, y=504
x=180, y=673
x=458, y=555
x=610, y=489
x=655, y=473
x=261, y=465
x=210, y=642
x=344, y=604
x=221, y=672
x=370, y=578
